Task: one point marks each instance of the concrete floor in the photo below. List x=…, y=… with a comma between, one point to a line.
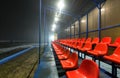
x=47, y=67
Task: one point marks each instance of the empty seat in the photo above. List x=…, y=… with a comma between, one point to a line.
x=86, y=47
x=106, y=40
x=115, y=57
x=88, y=40
x=71, y=62
x=116, y=42
x=87, y=69
x=75, y=45
x=64, y=56
x=95, y=40
x=79, y=46
x=100, y=50
x=82, y=40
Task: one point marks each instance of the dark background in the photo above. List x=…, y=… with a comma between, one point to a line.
x=19, y=20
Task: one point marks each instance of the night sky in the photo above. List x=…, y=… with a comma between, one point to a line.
x=19, y=20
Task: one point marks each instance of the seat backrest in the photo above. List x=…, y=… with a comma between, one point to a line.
x=80, y=44
x=74, y=59
x=117, y=41
x=78, y=40
x=106, y=40
x=117, y=51
x=88, y=40
x=83, y=40
x=95, y=40
x=67, y=52
x=89, y=68
x=88, y=46
x=102, y=48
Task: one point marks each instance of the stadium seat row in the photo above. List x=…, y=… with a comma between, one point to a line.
x=69, y=62
x=95, y=47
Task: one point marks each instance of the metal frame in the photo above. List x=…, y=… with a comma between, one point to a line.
x=74, y=30
x=79, y=20
x=44, y=26
x=70, y=30
x=62, y=12
x=87, y=26
x=40, y=30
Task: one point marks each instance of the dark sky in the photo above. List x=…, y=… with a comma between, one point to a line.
x=19, y=20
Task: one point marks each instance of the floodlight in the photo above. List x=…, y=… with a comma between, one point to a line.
x=61, y=4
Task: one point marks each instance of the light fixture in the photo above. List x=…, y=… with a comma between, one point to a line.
x=51, y=38
x=54, y=26
x=102, y=9
x=60, y=4
x=53, y=29
x=82, y=21
x=72, y=26
x=56, y=19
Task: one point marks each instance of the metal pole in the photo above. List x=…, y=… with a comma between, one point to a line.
x=87, y=26
x=99, y=20
x=79, y=28
x=99, y=24
x=46, y=32
x=40, y=30
x=66, y=30
x=70, y=30
x=74, y=30
x=44, y=26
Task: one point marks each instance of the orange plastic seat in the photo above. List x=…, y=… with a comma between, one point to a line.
x=116, y=43
x=82, y=40
x=106, y=40
x=115, y=57
x=58, y=49
x=75, y=45
x=86, y=47
x=60, y=52
x=64, y=56
x=71, y=62
x=79, y=46
x=95, y=40
x=87, y=69
x=88, y=40
x=100, y=50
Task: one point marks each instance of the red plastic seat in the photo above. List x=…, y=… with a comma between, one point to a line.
x=95, y=40
x=58, y=49
x=100, y=50
x=71, y=62
x=64, y=56
x=79, y=46
x=116, y=43
x=87, y=69
x=115, y=57
x=88, y=40
x=82, y=40
x=106, y=40
x=86, y=47
x=75, y=45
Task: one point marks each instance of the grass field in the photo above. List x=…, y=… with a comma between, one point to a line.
x=23, y=66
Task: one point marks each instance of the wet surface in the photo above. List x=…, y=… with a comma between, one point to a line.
x=47, y=66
